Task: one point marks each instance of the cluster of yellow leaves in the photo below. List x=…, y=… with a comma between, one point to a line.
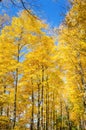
x=72, y=59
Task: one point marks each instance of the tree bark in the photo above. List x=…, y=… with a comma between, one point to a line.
x=32, y=114
x=42, y=99
x=15, y=93
x=38, y=122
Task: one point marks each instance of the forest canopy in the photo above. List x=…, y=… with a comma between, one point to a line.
x=43, y=71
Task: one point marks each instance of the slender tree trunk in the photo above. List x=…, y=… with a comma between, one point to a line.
x=15, y=93
x=15, y=99
x=38, y=122
x=44, y=121
x=32, y=114
x=53, y=112
x=47, y=105
x=56, y=122
x=8, y=111
x=4, y=89
x=1, y=110
x=47, y=109
x=48, y=116
x=51, y=120
x=42, y=99
x=61, y=113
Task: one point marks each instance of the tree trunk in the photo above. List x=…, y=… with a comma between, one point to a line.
x=46, y=108
x=47, y=104
x=38, y=122
x=42, y=99
x=32, y=114
x=61, y=114
x=56, y=122
x=16, y=85
x=15, y=99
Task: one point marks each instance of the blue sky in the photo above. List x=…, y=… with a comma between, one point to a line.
x=52, y=11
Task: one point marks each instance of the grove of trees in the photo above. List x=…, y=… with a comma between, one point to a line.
x=43, y=84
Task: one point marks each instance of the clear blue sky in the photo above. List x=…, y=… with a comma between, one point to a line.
x=52, y=11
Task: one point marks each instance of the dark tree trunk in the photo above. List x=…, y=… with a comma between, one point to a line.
x=32, y=114
x=38, y=116
x=42, y=99
x=61, y=114
x=16, y=85
x=15, y=99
